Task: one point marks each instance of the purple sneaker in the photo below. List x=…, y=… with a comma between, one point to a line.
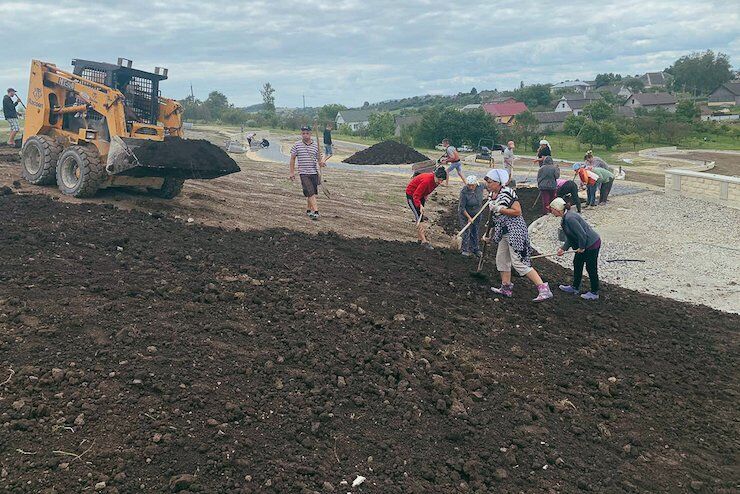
x=568, y=289
x=590, y=296
x=506, y=290
x=545, y=293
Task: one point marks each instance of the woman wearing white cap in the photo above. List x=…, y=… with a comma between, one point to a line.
x=471, y=201
x=511, y=237
x=542, y=151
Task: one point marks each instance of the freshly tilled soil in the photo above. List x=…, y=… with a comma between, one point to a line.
x=386, y=153
x=140, y=354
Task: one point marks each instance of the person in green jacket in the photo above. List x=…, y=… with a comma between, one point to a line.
x=605, y=182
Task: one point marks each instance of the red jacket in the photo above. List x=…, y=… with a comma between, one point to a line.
x=420, y=187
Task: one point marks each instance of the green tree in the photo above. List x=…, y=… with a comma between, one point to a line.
x=700, y=73
x=687, y=111
x=598, y=110
x=328, y=113
x=381, y=125
x=216, y=104
x=634, y=84
x=609, y=97
x=525, y=126
x=590, y=133
x=573, y=124
x=607, y=79
x=473, y=91
x=674, y=131
x=608, y=135
x=534, y=95
x=632, y=139
x=268, y=97
x=437, y=123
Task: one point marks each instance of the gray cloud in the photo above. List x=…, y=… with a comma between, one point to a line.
x=349, y=51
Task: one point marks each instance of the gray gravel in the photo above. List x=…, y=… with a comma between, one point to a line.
x=691, y=248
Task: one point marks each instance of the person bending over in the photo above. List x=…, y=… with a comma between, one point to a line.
x=417, y=192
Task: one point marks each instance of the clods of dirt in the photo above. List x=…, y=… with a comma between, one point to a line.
x=386, y=153
x=186, y=158
x=144, y=355
x=5, y=190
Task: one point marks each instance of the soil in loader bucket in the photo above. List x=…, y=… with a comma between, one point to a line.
x=173, y=157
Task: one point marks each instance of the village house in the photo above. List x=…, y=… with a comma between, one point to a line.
x=619, y=92
x=654, y=79
x=572, y=85
x=471, y=107
x=354, y=119
x=505, y=113
x=550, y=121
x=651, y=101
x=574, y=102
x=728, y=94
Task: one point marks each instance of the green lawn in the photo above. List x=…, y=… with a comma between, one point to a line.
x=568, y=148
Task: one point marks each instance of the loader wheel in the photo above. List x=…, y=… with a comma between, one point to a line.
x=170, y=188
x=39, y=159
x=80, y=172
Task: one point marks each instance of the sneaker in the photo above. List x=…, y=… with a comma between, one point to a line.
x=568, y=289
x=590, y=296
x=465, y=253
x=308, y=213
x=505, y=290
x=316, y=215
x=427, y=246
x=545, y=293
x=313, y=216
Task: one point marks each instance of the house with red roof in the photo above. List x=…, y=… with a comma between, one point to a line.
x=505, y=112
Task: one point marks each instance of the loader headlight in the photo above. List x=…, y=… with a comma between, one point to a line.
x=90, y=135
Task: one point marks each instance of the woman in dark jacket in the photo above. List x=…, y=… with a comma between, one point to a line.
x=586, y=242
x=471, y=202
x=547, y=182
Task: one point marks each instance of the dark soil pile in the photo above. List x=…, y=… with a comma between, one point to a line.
x=178, y=357
x=449, y=221
x=186, y=158
x=386, y=153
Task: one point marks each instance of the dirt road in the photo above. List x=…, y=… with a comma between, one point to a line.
x=725, y=163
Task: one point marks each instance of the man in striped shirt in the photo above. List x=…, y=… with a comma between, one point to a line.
x=306, y=153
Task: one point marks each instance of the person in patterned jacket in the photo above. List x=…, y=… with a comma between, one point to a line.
x=511, y=237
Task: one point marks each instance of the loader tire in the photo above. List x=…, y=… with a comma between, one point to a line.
x=80, y=171
x=39, y=159
x=171, y=188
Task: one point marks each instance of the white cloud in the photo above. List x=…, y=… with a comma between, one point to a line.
x=350, y=51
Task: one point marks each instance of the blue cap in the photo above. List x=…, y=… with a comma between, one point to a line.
x=577, y=166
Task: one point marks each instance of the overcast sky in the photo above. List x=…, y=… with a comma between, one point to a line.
x=364, y=50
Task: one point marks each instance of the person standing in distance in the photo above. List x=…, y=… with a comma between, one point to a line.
x=452, y=158
x=306, y=153
x=328, y=152
x=509, y=159
x=11, y=114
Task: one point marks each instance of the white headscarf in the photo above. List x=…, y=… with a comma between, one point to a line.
x=498, y=175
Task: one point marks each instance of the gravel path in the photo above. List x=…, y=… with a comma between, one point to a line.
x=691, y=248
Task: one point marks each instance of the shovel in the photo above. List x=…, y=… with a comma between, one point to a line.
x=553, y=254
x=318, y=168
x=457, y=239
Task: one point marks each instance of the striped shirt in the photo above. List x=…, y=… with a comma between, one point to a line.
x=506, y=197
x=307, y=157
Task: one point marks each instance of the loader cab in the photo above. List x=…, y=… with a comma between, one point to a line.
x=140, y=88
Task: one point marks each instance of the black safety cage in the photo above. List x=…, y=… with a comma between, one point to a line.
x=140, y=88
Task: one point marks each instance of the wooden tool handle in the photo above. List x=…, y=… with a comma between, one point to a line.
x=474, y=218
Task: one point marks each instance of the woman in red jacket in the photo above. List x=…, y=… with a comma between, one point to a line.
x=416, y=195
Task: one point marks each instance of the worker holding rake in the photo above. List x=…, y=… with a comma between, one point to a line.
x=511, y=237
x=417, y=192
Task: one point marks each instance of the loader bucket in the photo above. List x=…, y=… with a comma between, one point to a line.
x=173, y=157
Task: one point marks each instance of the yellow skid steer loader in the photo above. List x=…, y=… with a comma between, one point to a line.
x=105, y=125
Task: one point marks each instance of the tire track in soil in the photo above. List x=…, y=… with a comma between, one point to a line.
x=275, y=361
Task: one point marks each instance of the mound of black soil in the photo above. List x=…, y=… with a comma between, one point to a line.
x=386, y=153
x=186, y=158
x=180, y=358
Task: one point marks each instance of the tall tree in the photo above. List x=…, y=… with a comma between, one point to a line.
x=381, y=125
x=598, y=110
x=607, y=79
x=700, y=73
x=268, y=97
x=534, y=95
x=687, y=111
x=216, y=103
x=328, y=113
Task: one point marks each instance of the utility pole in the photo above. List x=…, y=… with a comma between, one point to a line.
x=191, y=91
x=304, y=101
